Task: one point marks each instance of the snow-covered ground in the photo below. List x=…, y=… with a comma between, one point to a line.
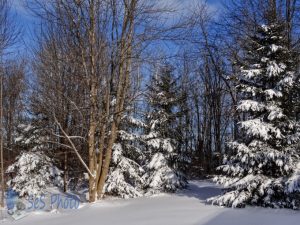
x=186, y=207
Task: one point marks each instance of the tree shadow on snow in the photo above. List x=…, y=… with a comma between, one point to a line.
x=202, y=190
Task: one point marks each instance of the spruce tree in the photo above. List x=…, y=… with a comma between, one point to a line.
x=125, y=176
x=265, y=155
x=162, y=137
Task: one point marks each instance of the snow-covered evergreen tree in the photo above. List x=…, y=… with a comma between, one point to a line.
x=29, y=137
x=161, y=143
x=32, y=173
x=125, y=176
x=265, y=156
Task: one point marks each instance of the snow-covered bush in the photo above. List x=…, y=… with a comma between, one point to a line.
x=32, y=173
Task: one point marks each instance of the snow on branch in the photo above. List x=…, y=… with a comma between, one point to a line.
x=258, y=128
x=246, y=105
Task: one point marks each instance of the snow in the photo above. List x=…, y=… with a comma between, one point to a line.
x=274, y=47
x=251, y=73
x=160, y=143
x=137, y=122
x=288, y=80
x=258, y=128
x=270, y=93
x=247, y=105
x=275, y=112
x=275, y=69
x=185, y=207
x=157, y=161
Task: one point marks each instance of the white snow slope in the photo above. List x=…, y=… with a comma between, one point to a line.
x=183, y=208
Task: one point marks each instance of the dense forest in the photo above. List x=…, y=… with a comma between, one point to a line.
x=129, y=98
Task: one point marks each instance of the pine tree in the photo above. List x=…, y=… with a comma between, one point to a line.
x=30, y=138
x=33, y=173
x=125, y=176
x=265, y=156
x=162, y=137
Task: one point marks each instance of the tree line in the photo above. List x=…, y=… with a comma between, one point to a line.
x=137, y=95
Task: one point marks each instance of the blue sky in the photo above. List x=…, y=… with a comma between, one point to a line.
x=29, y=24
